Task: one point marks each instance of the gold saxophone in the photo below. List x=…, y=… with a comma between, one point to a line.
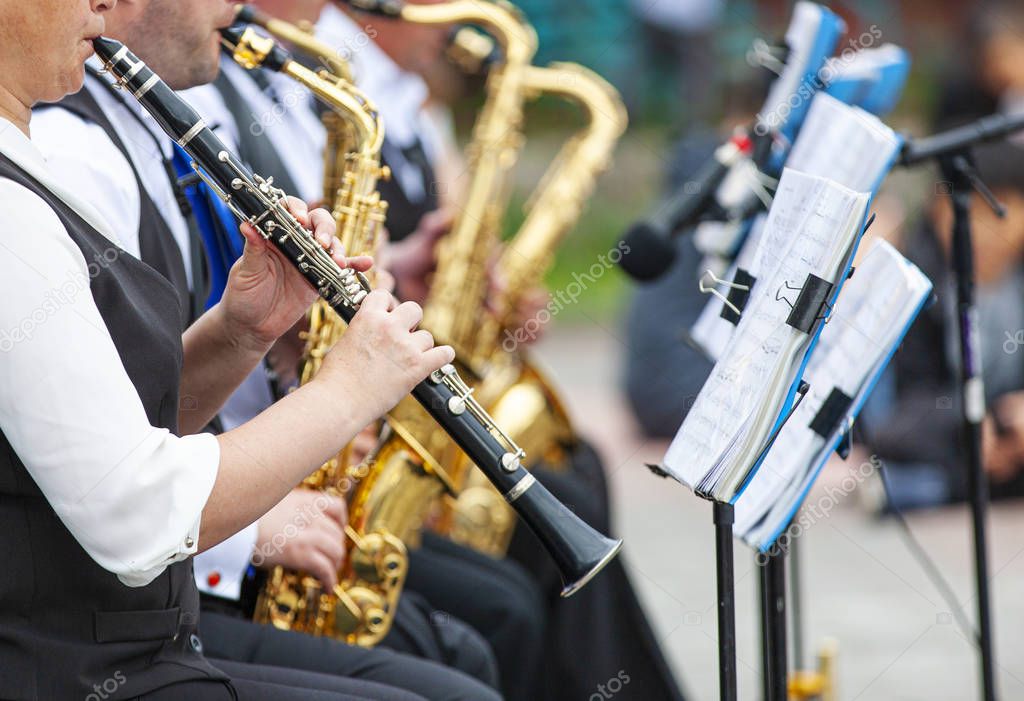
x=361, y=608
x=456, y=308
x=456, y=301
x=516, y=393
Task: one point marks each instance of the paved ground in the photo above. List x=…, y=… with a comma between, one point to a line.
x=896, y=635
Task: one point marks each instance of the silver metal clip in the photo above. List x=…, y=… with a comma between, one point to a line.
x=763, y=54
x=711, y=290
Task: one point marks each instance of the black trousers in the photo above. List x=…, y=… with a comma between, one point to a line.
x=601, y=632
x=432, y=633
x=227, y=637
x=256, y=683
x=497, y=597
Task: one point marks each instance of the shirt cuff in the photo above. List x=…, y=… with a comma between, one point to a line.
x=221, y=569
x=195, y=461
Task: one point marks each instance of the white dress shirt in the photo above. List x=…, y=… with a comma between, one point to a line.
x=84, y=158
x=283, y=115
x=398, y=94
x=130, y=493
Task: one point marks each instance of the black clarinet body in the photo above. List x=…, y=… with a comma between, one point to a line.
x=579, y=551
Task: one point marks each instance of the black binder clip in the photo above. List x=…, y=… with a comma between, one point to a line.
x=735, y=302
x=810, y=304
x=739, y=295
x=831, y=416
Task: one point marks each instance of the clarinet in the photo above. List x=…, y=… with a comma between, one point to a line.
x=579, y=551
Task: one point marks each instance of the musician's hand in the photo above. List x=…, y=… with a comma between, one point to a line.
x=306, y=532
x=265, y=294
x=382, y=356
x=364, y=442
x=526, y=315
x=413, y=259
x=1003, y=449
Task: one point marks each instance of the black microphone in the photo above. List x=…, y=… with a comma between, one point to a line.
x=648, y=249
x=990, y=128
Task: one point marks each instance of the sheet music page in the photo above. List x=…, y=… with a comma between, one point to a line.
x=866, y=63
x=871, y=314
x=806, y=227
x=800, y=37
x=845, y=144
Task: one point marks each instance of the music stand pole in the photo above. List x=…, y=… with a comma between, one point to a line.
x=957, y=171
x=724, y=516
x=796, y=603
x=775, y=671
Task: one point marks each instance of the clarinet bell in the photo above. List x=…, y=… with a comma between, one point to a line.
x=578, y=550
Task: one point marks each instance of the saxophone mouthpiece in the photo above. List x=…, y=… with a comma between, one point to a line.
x=253, y=50
x=385, y=8
x=246, y=13
x=250, y=14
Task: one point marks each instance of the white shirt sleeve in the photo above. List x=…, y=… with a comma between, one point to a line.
x=130, y=493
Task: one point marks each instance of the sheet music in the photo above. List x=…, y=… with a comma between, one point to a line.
x=839, y=142
x=809, y=229
x=845, y=144
x=871, y=315
x=865, y=64
x=801, y=37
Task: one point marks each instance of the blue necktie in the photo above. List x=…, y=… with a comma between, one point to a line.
x=217, y=225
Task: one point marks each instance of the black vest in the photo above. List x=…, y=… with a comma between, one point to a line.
x=404, y=214
x=66, y=624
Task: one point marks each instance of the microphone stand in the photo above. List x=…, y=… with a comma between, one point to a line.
x=952, y=151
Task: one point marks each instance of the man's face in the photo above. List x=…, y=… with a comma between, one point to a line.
x=293, y=11
x=179, y=39
x=1002, y=62
x=45, y=54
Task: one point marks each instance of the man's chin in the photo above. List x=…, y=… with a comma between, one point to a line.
x=193, y=75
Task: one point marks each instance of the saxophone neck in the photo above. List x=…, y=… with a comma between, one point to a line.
x=460, y=288
x=556, y=204
x=251, y=50
x=502, y=20
x=300, y=36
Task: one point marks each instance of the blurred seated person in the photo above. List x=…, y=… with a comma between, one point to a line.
x=919, y=438
x=663, y=370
